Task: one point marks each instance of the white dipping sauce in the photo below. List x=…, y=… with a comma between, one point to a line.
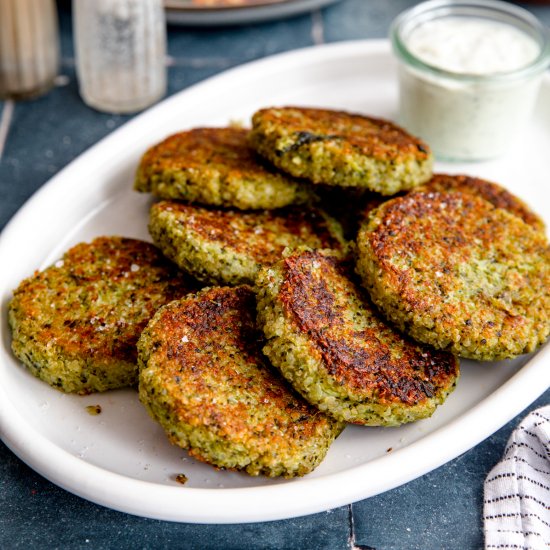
x=472, y=46
x=467, y=118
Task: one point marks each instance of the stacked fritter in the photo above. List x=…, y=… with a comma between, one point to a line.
x=204, y=379
x=330, y=343
x=262, y=372
x=75, y=325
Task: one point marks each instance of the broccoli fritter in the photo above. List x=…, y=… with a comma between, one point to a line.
x=455, y=272
x=216, y=166
x=330, y=343
x=204, y=379
x=229, y=247
x=75, y=325
x=339, y=148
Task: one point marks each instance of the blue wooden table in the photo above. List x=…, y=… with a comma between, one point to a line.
x=38, y=138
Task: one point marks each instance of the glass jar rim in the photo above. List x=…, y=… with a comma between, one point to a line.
x=488, y=9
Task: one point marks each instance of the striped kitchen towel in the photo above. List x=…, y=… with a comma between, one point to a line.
x=516, y=509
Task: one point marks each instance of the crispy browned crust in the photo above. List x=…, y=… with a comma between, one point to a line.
x=84, y=314
x=328, y=340
x=341, y=149
x=262, y=235
x=216, y=166
x=492, y=192
x=216, y=326
x=373, y=137
x=458, y=273
x=376, y=361
x=226, y=246
x=219, y=396
x=203, y=149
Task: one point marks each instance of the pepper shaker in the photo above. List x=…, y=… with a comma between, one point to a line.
x=29, y=47
x=120, y=53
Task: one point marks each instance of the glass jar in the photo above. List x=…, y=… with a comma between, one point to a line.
x=29, y=47
x=469, y=74
x=120, y=53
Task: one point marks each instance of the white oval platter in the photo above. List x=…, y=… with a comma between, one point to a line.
x=121, y=458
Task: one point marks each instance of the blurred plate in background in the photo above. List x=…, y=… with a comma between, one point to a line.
x=236, y=12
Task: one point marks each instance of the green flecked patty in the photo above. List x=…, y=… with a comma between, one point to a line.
x=204, y=379
x=453, y=271
x=229, y=247
x=352, y=207
x=492, y=192
x=216, y=166
x=339, y=148
x=75, y=325
x=328, y=341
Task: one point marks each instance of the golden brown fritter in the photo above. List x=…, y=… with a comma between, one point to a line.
x=204, y=379
x=492, y=192
x=229, y=247
x=340, y=148
x=75, y=325
x=453, y=271
x=216, y=166
x=329, y=342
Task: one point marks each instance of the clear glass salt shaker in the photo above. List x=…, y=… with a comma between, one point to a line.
x=29, y=47
x=120, y=53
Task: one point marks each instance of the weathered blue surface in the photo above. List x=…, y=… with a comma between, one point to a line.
x=36, y=514
x=439, y=510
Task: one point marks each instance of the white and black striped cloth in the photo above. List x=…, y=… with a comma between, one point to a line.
x=516, y=509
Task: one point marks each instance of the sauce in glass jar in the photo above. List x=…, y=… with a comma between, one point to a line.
x=469, y=74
